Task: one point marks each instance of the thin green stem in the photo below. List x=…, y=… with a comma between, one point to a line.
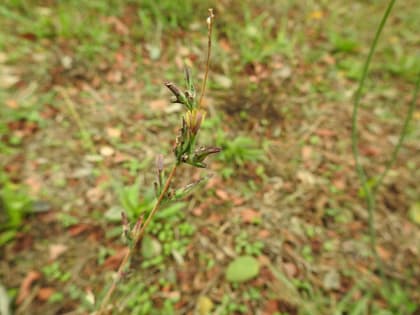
x=131, y=250
x=403, y=133
x=369, y=195
x=210, y=29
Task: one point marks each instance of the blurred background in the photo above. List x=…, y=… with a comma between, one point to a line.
x=282, y=226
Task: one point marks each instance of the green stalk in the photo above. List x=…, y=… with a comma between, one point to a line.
x=369, y=194
x=403, y=133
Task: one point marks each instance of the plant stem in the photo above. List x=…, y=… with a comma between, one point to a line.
x=403, y=133
x=369, y=195
x=136, y=242
x=210, y=29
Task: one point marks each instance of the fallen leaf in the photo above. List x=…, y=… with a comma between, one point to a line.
x=57, y=250
x=222, y=194
x=306, y=153
x=90, y=297
x=25, y=286
x=250, y=215
x=77, y=229
x=383, y=253
x=242, y=269
x=332, y=280
x=45, y=293
x=106, y=151
x=198, y=211
x=204, y=305
x=271, y=307
x=119, y=25
x=113, y=132
x=215, y=218
x=8, y=80
x=4, y=301
x=3, y=57
x=158, y=105
x=114, y=261
x=237, y=201
x=316, y=15
x=12, y=103
x=223, y=81
x=370, y=151
x=325, y=132
x=121, y=157
x=94, y=194
x=306, y=177
x=34, y=183
x=172, y=295
x=339, y=182
x=225, y=45
x=263, y=233
x=290, y=269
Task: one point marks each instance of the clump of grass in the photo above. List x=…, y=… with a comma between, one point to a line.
x=186, y=151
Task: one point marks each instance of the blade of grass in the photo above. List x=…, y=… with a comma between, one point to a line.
x=403, y=133
x=369, y=194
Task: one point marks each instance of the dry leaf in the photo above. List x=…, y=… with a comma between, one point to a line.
x=45, y=293
x=158, y=105
x=263, y=234
x=94, y=194
x=113, y=132
x=25, y=286
x=316, y=15
x=57, y=250
x=106, y=151
x=325, y=132
x=271, y=307
x=306, y=153
x=383, y=253
x=222, y=194
x=290, y=269
x=114, y=261
x=250, y=215
x=77, y=229
x=34, y=183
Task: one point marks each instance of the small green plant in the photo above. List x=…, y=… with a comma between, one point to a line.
x=398, y=300
x=14, y=206
x=256, y=43
x=244, y=246
x=240, y=150
x=343, y=44
x=186, y=152
x=230, y=306
x=53, y=272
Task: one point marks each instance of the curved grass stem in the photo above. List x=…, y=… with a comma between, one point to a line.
x=368, y=192
x=403, y=133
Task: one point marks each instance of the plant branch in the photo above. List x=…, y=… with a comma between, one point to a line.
x=210, y=29
x=136, y=242
x=369, y=194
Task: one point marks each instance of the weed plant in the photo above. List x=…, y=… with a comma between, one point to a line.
x=186, y=151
